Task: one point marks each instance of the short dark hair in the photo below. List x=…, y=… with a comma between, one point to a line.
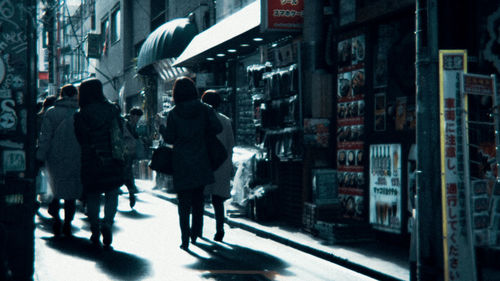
x=68, y=90
x=90, y=91
x=184, y=90
x=212, y=98
x=136, y=111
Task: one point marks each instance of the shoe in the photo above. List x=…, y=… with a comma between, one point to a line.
x=67, y=229
x=56, y=228
x=185, y=246
x=132, y=200
x=218, y=236
x=107, y=237
x=95, y=240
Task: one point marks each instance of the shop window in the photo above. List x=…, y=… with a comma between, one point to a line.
x=105, y=34
x=115, y=25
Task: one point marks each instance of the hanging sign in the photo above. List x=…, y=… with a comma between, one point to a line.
x=282, y=15
x=457, y=242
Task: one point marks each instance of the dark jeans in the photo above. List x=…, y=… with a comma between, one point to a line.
x=190, y=201
x=218, y=204
x=69, y=209
x=94, y=206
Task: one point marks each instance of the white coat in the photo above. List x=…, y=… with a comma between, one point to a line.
x=222, y=185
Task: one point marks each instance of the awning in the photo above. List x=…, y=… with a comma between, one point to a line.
x=167, y=72
x=167, y=41
x=242, y=23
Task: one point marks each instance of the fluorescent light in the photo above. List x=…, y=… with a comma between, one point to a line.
x=274, y=45
x=210, y=59
x=245, y=45
x=221, y=55
x=231, y=50
x=257, y=39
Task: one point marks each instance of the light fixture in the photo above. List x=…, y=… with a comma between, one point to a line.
x=245, y=45
x=258, y=39
x=231, y=50
x=210, y=59
x=221, y=55
x=274, y=45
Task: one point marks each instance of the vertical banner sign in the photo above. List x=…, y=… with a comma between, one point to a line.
x=282, y=15
x=385, y=187
x=458, y=258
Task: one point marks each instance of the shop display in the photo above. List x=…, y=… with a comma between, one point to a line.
x=350, y=126
x=385, y=187
x=317, y=132
x=324, y=186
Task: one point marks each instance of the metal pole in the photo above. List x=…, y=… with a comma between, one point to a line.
x=428, y=215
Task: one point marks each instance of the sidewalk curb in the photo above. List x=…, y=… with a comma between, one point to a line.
x=301, y=247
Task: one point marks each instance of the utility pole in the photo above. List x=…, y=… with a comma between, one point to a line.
x=49, y=25
x=428, y=219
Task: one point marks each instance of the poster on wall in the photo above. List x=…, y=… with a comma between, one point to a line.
x=350, y=126
x=458, y=248
x=380, y=116
x=385, y=187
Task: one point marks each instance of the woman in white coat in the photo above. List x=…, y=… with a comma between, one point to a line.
x=221, y=189
x=59, y=149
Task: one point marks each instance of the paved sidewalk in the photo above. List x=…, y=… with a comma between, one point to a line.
x=376, y=259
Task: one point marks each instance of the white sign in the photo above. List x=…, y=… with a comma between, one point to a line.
x=385, y=187
x=458, y=254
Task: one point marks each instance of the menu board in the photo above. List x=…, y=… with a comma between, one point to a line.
x=350, y=126
x=385, y=187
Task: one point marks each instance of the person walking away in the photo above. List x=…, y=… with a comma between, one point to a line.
x=59, y=149
x=221, y=189
x=132, y=142
x=100, y=171
x=41, y=179
x=187, y=124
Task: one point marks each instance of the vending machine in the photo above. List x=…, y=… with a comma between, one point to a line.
x=17, y=138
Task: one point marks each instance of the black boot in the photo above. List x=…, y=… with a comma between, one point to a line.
x=107, y=236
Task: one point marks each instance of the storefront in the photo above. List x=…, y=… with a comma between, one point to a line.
x=253, y=60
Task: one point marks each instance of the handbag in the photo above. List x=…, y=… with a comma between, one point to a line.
x=161, y=160
x=217, y=153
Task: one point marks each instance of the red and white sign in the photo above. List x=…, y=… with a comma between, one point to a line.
x=282, y=15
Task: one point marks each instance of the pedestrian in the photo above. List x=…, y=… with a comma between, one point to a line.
x=133, y=145
x=221, y=189
x=100, y=172
x=59, y=149
x=41, y=179
x=187, y=124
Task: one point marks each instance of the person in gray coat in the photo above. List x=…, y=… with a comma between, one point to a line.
x=59, y=149
x=187, y=125
x=221, y=189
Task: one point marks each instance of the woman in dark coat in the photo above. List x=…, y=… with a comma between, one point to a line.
x=100, y=172
x=187, y=124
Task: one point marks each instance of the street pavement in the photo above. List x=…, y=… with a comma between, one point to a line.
x=146, y=247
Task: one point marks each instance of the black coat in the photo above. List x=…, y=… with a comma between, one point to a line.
x=187, y=124
x=99, y=172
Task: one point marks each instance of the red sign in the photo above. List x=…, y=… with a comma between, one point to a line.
x=43, y=75
x=284, y=15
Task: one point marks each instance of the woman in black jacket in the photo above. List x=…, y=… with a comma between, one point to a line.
x=100, y=172
x=187, y=124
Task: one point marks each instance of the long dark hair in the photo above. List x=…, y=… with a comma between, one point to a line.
x=184, y=90
x=68, y=90
x=90, y=91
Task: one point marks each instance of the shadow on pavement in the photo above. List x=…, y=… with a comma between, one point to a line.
x=120, y=265
x=227, y=260
x=134, y=214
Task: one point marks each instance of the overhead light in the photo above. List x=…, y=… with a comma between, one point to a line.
x=210, y=59
x=245, y=45
x=231, y=50
x=221, y=55
x=258, y=39
x=274, y=45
